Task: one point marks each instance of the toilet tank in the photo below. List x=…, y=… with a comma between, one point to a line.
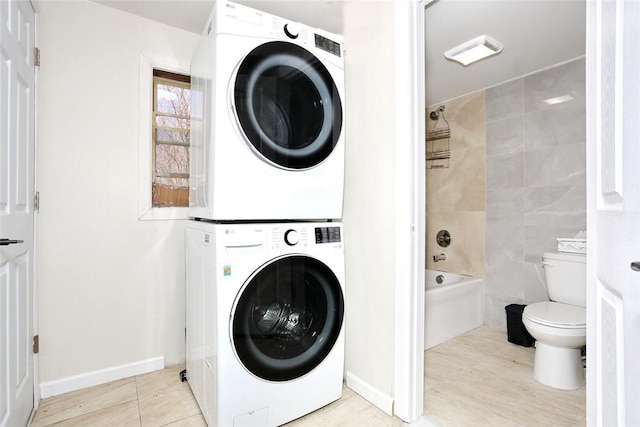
x=566, y=276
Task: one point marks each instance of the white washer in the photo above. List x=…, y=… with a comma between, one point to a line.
x=265, y=310
x=267, y=139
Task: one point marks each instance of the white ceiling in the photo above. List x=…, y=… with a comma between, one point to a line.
x=191, y=15
x=535, y=33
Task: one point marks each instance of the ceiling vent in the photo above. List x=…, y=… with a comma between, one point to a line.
x=474, y=50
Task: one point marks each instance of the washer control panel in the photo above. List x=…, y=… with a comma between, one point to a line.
x=287, y=237
x=305, y=235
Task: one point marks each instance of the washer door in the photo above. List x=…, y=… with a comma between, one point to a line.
x=287, y=105
x=287, y=318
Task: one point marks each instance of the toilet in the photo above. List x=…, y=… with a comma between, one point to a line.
x=559, y=325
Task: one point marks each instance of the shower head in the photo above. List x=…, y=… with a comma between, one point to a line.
x=435, y=114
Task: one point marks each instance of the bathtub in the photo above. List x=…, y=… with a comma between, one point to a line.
x=452, y=307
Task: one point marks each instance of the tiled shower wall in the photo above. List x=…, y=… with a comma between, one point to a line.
x=535, y=181
x=456, y=195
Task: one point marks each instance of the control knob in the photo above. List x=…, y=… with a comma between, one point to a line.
x=291, y=237
x=292, y=30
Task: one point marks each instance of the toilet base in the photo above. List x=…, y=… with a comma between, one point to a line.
x=558, y=367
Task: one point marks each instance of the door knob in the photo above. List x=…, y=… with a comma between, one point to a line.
x=7, y=242
x=635, y=266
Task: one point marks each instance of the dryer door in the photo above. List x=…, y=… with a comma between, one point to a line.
x=287, y=105
x=287, y=318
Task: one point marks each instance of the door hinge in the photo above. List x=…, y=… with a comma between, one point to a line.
x=36, y=201
x=36, y=56
x=36, y=344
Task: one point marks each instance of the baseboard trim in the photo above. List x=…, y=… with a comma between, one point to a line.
x=89, y=379
x=372, y=394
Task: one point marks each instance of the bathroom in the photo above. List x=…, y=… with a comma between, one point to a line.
x=503, y=209
x=507, y=181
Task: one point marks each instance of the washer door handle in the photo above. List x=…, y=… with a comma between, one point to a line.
x=635, y=266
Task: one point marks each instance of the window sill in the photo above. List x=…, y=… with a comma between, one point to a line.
x=164, y=213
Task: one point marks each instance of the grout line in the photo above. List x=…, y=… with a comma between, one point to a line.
x=138, y=401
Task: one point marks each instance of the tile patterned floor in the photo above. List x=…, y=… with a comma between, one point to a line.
x=476, y=379
x=480, y=379
x=154, y=399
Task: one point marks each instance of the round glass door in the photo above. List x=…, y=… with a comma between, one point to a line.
x=288, y=318
x=287, y=105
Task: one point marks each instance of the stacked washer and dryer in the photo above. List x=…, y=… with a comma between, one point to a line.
x=264, y=248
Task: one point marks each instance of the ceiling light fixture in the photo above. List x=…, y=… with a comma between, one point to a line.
x=558, y=99
x=474, y=50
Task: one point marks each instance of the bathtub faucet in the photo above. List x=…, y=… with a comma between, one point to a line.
x=439, y=257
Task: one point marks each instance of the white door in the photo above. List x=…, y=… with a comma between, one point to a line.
x=613, y=85
x=17, y=145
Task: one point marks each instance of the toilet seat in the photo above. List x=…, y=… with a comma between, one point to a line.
x=556, y=315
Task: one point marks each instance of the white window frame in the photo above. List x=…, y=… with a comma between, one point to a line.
x=146, y=211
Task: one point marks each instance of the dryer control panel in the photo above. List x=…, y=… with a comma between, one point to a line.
x=328, y=235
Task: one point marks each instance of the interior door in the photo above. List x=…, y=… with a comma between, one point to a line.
x=17, y=146
x=613, y=84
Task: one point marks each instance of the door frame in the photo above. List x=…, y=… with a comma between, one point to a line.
x=612, y=209
x=410, y=209
x=36, y=253
x=410, y=54
x=592, y=223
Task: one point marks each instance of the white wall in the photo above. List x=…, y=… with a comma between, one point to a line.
x=111, y=288
x=369, y=210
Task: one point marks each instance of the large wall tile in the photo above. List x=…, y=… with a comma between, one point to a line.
x=565, y=124
x=535, y=288
x=466, y=121
x=461, y=187
x=505, y=204
x=535, y=181
x=505, y=242
x=505, y=100
x=455, y=196
x=505, y=171
x=465, y=255
x=558, y=165
x=508, y=282
x=495, y=314
x=559, y=205
x=505, y=257
x=505, y=136
x=565, y=79
x=542, y=238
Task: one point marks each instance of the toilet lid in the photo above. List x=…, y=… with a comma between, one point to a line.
x=557, y=315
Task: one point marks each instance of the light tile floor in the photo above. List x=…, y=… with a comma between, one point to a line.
x=476, y=379
x=480, y=379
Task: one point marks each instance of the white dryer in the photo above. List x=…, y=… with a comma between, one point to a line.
x=267, y=139
x=265, y=310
